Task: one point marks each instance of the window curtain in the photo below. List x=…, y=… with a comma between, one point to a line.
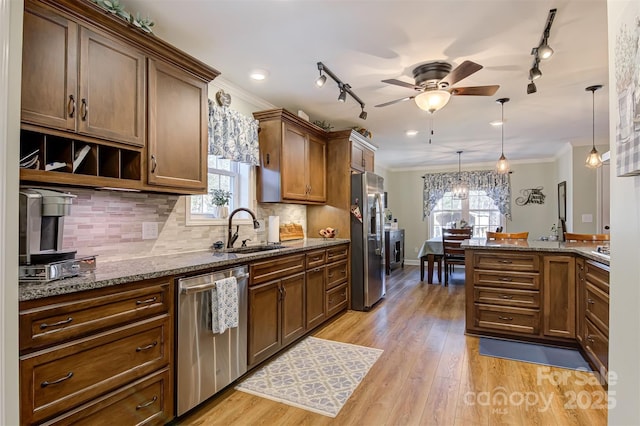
x=497, y=187
x=232, y=135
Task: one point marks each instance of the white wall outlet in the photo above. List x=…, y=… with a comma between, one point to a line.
x=149, y=230
x=587, y=218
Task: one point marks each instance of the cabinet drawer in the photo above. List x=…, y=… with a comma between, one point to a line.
x=597, y=275
x=508, y=297
x=506, y=261
x=337, y=253
x=316, y=258
x=518, y=280
x=520, y=320
x=596, y=307
x=596, y=345
x=65, y=318
x=336, y=299
x=276, y=268
x=336, y=274
x=147, y=401
x=59, y=379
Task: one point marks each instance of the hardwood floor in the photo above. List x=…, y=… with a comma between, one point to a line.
x=430, y=373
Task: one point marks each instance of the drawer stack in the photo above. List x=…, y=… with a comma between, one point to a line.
x=505, y=292
x=337, y=283
x=595, y=315
x=105, y=354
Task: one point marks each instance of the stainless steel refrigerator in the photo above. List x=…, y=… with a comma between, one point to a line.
x=367, y=240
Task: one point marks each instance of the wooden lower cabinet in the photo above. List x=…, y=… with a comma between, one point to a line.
x=83, y=353
x=559, y=290
x=293, y=308
x=314, y=298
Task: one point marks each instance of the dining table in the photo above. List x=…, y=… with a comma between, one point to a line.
x=431, y=251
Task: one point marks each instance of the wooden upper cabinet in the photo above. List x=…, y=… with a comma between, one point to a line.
x=49, y=70
x=112, y=90
x=293, y=159
x=362, y=158
x=177, y=140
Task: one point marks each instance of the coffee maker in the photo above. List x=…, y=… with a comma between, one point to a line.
x=41, y=228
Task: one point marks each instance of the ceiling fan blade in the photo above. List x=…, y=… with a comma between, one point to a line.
x=475, y=91
x=463, y=70
x=402, y=84
x=396, y=101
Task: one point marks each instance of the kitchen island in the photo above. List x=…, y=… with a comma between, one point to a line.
x=540, y=291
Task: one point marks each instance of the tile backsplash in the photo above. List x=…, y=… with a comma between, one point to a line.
x=109, y=224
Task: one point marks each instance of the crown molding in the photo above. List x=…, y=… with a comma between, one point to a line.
x=227, y=86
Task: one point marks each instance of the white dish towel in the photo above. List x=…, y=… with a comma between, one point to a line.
x=224, y=305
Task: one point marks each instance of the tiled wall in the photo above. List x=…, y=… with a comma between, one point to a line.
x=109, y=224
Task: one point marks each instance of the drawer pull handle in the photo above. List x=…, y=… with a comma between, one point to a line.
x=331, y=275
x=55, y=382
x=504, y=261
x=146, y=348
x=146, y=404
x=71, y=106
x=505, y=318
x=590, y=301
x=506, y=279
x=144, y=302
x=55, y=324
x=590, y=339
x=316, y=258
x=504, y=296
x=84, y=109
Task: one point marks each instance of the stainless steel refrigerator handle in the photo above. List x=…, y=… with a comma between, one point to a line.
x=206, y=286
x=379, y=227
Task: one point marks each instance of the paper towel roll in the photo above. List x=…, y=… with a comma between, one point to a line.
x=273, y=235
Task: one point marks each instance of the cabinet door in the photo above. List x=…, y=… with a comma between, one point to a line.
x=357, y=156
x=264, y=321
x=580, y=285
x=49, y=70
x=315, y=288
x=368, y=160
x=177, y=154
x=559, y=293
x=316, y=170
x=293, y=304
x=294, y=183
x=112, y=90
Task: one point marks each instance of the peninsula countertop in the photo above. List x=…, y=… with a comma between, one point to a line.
x=587, y=250
x=121, y=272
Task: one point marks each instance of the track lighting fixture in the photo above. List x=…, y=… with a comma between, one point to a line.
x=344, y=88
x=593, y=159
x=541, y=52
x=502, y=166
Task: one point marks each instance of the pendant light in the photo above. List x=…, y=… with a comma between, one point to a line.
x=502, y=166
x=593, y=159
x=460, y=189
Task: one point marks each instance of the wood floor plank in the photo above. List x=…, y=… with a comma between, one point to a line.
x=430, y=373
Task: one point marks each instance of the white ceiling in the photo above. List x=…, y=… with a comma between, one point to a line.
x=364, y=42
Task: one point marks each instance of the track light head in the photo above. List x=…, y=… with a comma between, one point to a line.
x=531, y=88
x=363, y=114
x=342, y=97
x=535, y=73
x=320, y=81
x=544, y=50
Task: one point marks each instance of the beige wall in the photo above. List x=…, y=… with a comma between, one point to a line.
x=584, y=191
x=564, y=173
x=624, y=326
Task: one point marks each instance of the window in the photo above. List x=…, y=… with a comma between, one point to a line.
x=231, y=176
x=478, y=210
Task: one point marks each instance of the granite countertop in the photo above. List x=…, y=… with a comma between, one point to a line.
x=587, y=250
x=121, y=272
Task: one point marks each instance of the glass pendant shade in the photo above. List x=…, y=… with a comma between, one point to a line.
x=502, y=166
x=432, y=100
x=460, y=190
x=594, y=160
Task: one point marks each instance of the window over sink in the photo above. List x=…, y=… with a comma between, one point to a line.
x=235, y=177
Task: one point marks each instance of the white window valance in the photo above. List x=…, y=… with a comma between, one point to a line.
x=232, y=135
x=496, y=186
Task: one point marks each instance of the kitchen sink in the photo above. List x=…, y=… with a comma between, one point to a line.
x=252, y=249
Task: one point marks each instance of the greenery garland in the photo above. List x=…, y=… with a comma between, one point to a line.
x=117, y=8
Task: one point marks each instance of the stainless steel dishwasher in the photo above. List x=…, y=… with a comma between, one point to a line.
x=208, y=362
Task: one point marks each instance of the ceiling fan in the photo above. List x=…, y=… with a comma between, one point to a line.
x=434, y=81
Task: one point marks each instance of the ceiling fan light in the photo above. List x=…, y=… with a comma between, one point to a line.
x=432, y=100
x=593, y=159
x=545, y=51
x=502, y=166
x=320, y=81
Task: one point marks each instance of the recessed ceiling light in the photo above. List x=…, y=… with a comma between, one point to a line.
x=411, y=132
x=259, y=74
x=496, y=123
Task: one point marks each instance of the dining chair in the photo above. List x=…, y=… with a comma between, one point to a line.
x=499, y=229
x=453, y=254
x=569, y=236
x=507, y=235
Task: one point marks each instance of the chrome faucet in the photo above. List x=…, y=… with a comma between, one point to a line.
x=234, y=236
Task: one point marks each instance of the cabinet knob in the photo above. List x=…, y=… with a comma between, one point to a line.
x=590, y=339
x=590, y=301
